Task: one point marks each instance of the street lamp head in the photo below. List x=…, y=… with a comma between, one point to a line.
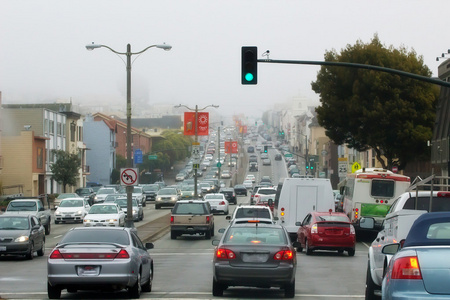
x=92, y=46
x=164, y=46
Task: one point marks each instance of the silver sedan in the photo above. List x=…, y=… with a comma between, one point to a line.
x=103, y=258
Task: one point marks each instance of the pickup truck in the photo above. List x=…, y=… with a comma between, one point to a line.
x=191, y=217
x=31, y=207
x=396, y=225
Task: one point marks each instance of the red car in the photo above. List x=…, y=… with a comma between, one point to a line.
x=326, y=231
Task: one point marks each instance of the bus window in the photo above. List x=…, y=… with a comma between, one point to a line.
x=382, y=188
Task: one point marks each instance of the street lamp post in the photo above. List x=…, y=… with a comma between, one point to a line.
x=128, y=54
x=196, y=136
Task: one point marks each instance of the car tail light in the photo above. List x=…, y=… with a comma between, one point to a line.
x=58, y=255
x=225, y=254
x=352, y=230
x=207, y=219
x=314, y=229
x=222, y=203
x=284, y=255
x=443, y=194
x=172, y=219
x=406, y=268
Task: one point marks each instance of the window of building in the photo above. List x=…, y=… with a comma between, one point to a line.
x=40, y=158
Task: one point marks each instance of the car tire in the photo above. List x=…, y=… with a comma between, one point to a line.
x=289, y=290
x=135, y=291
x=308, y=249
x=173, y=235
x=212, y=231
x=157, y=206
x=48, y=227
x=41, y=251
x=147, y=287
x=208, y=235
x=142, y=216
x=30, y=253
x=53, y=292
x=370, y=286
x=351, y=252
x=217, y=289
x=56, y=222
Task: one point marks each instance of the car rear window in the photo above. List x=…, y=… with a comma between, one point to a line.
x=423, y=203
x=22, y=206
x=96, y=236
x=332, y=218
x=189, y=208
x=252, y=213
x=255, y=236
x=267, y=191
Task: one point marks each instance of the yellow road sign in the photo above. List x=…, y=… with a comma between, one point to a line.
x=356, y=166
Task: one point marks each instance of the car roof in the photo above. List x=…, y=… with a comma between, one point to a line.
x=418, y=234
x=190, y=201
x=253, y=224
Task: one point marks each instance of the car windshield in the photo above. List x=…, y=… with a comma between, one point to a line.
x=106, y=191
x=189, y=208
x=151, y=188
x=103, y=209
x=96, y=236
x=254, y=236
x=22, y=206
x=137, y=189
x=332, y=218
x=167, y=192
x=71, y=203
x=123, y=203
x=14, y=223
x=67, y=195
x=112, y=197
x=252, y=213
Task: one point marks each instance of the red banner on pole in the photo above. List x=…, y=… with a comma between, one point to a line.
x=202, y=123
x=231, y=147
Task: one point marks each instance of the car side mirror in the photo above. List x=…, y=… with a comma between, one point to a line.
x=221, y=230
x=270, y=202
x=41, y=209
x=149, y=246
x=391, y=249
x=215, y=242
x=298, y=223
x=228, y=218
x=367, y=223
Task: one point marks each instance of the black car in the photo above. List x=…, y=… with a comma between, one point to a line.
x=150, y=191
x=21, y=235
x=87, y=193
x=278, y=156
x=253, y=167
x=250, y=149
x=239, y=189
x=230, y=195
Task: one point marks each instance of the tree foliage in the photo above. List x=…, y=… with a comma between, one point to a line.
x=65, y=168
x=366, y=109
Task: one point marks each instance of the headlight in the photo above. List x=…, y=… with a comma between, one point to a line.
x=134, y=211
x=158, y=198
x=87, y=221
x=57, y=212
x=21, y=239
x=112, y=220
x=174, y=198
x=79, y=212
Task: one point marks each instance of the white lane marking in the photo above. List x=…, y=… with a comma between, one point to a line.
x=365, y=244
x=58, y=236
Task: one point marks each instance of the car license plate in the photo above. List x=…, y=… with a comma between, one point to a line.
x=88, y=270
x=2, y=248
x=213, y=207
x=98, y=224
x=254, y=257
x=68, y=216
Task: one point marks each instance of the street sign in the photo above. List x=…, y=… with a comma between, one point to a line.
x=342, y=167
x=288, y=155
x=138, y=156
x=129, y=176
x=152, y=157
x=395, y=169
x=196, y=166
x=356, y=166
x=219, y=165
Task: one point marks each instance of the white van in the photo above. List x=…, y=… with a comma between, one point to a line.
x=296, y=197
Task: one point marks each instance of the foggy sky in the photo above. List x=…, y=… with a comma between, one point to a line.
x=43, y=55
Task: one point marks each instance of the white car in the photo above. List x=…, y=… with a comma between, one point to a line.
x=226, y=174
x=102, y=193
x=248, y=183
x=218, y=203
x=138, y=194
x=245, y=213
x=251, y=177
x=105, y=214
x=72, y=209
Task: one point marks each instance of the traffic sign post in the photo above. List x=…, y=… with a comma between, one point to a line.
x=129, y=176
x=219, y=165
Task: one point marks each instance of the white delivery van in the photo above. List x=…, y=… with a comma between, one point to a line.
x=296, y=197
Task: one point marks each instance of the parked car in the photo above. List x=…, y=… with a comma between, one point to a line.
x=21, y=235
x=105, y=214
x=138, y=211
x=167, y=197
x=240, y=189
x=230, y=194
x=98, y=258
x=72, y=209
x=326, y=231
x=255, y=255
x=218, y=203
x=419, y=268
x=87, y=193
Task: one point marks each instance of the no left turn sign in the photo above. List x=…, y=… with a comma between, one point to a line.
x=129, y=176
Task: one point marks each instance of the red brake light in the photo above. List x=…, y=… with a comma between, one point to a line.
x=222, y=203
x=172, y=218
x=56, y=255
x=207, y=219
x=406, y=268
x=443, y=194
x=284, y=255
x=225, y=254
x=123, y=254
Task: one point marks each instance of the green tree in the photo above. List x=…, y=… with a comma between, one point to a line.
x=366, y=109
x=65, y=168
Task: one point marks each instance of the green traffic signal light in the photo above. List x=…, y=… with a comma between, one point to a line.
x=307, y=167
x=249, y=65
x=265, y=149
x=312, y=167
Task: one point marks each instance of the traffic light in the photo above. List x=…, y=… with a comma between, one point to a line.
x=307, y=167
x=312, y=166
x=265, y=149
x=249, y=65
